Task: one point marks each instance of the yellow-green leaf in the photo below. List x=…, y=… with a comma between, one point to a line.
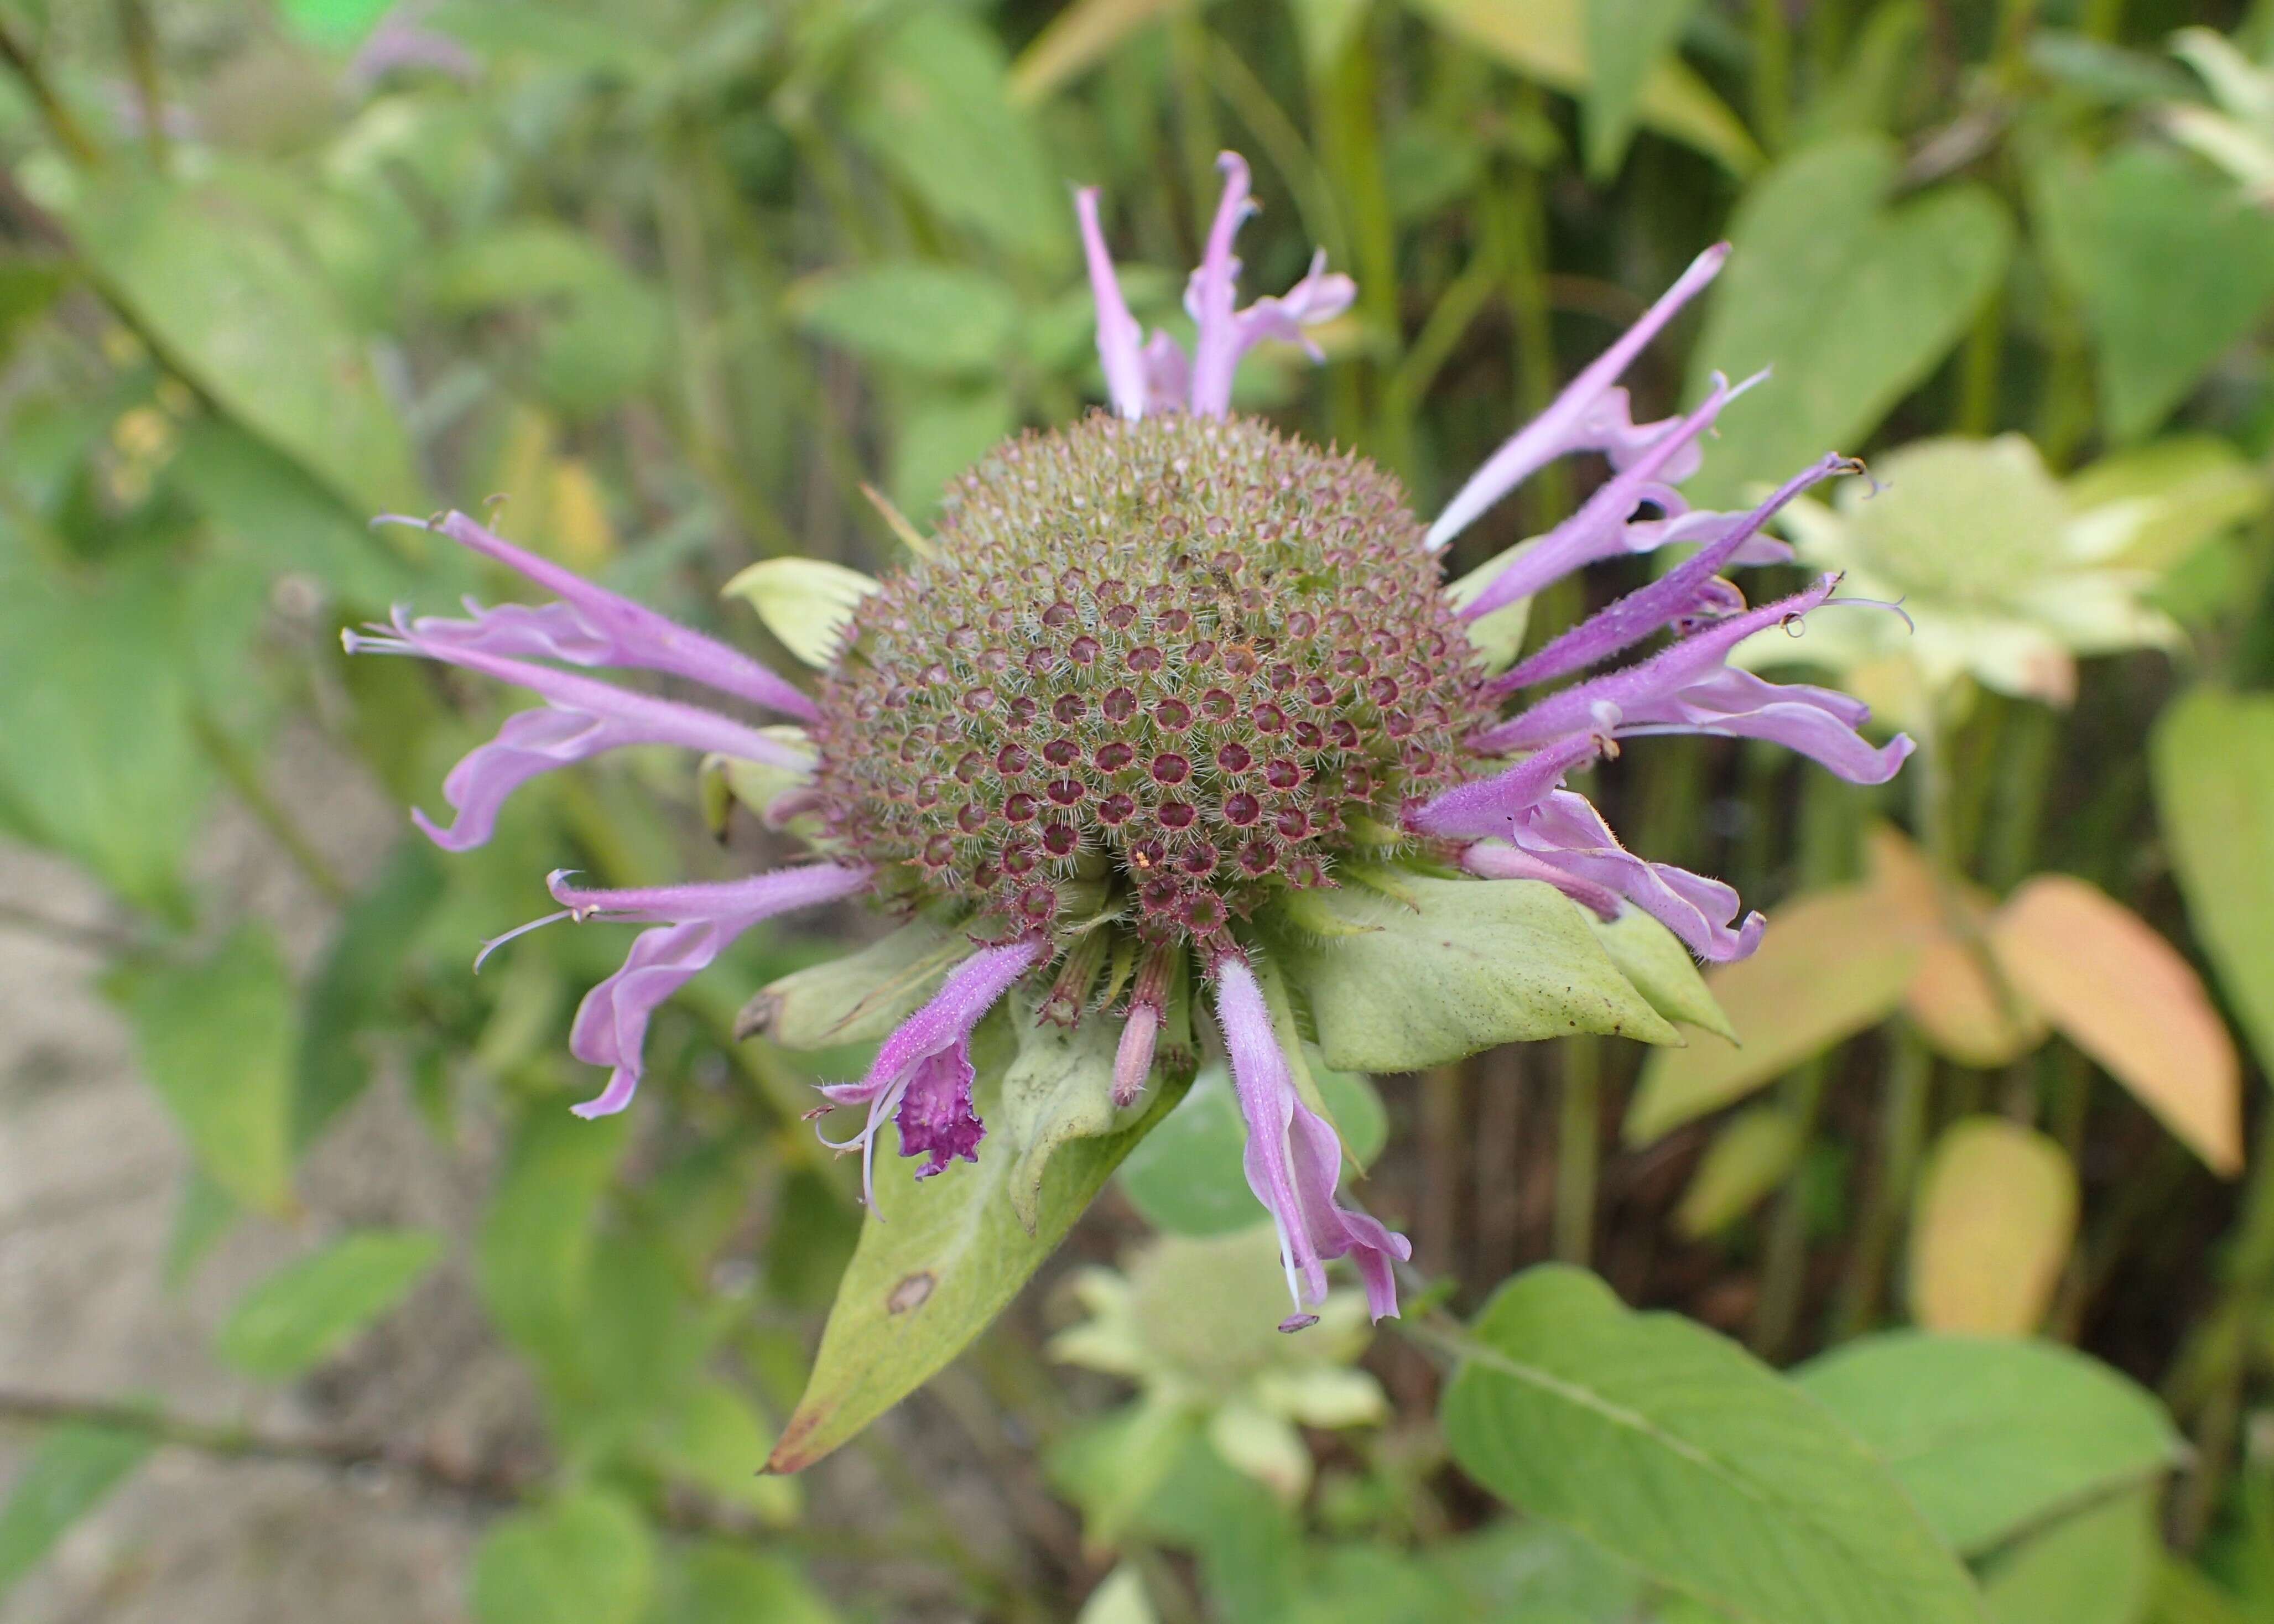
x=805, y=603
x=1995, y=1215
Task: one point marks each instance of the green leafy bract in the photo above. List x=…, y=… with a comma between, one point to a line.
x=939, y=1260
x=2214, y=771
x=69, y=1473
x=309, y=1309
x=1458, y=966
x=1672, y=1447
x=587, y=1559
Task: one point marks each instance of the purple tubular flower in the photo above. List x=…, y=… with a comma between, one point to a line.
x=1293, y=1160
x=1564, y=832
x=1492, y=860
x=1678, y=593
x=1688, y=687
x=923, y=1071
x=1492, y=806
x=582, y=718
x=1208, y=297
x=1120, y=340
x=1132, y=1059
x=592, y=626
x=1590, y=415
x=1599, y=530
x=696, y=923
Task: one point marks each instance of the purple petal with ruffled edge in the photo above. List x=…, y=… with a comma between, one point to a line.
x=1818, y=723
x=695, y=924
x=582, y=718
x=941, y=1028
x=1293, y=1160
x=1120, y=340
x=1588, y=416
x=1566, y=833
x=592, y=626
x=1678, y=593
x=1599, y=530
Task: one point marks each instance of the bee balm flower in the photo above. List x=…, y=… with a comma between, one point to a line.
x=1162, y=676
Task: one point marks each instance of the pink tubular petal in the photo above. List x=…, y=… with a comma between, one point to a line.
x=582, y=718
x=1577, y=420
x=1210, y=297
x=1677, y=593
x=1167, y=375
x=592, y=626
x=1598, y=530
x=1815, y=722
x=696, y=923
x=1494, y=860
x=1133, y=1060
x=1567, y=833
x=1493, y=806
x=1293, y=1159
x=1119, y=338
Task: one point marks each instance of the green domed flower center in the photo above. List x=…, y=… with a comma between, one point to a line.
x=1185, y=658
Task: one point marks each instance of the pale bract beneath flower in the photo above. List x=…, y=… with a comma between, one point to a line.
x=2005, y=574
x=1173, y=739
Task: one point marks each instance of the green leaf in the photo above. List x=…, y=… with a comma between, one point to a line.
x=1652, y=958
x=2173, y=267
x=2165, y=499
x=709, y=1435
x=1497, y=637
x=1119, y=1599
x=933, y=104
x=1829, y=965
x=937, y=1260
x=1672, y=1447
x=1748, y=1158
x=859, y=998
x=587, y=1559
x=2097, y=1568
x=1468, y=965
x=1079, y=38
x=2213, y=755
x=1991, y=1436
x=942, y=435
x=721, y=1584
x=944, y=320
x=1852, y=303
x=1249, y=1544
x=98, y=758
x=309, y=1310
x=1628, y=40
x=354, y=989
x=216, y=1042
x=69, y=1474
x=216, y=281
x=533, y=1257
x=1188, y=1177
x=1112, y=1464
x=1547, y=41
x=285, y=520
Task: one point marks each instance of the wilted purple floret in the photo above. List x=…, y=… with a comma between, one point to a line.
x=582, y=718
x=592, y=626
x=696, y=923
x=1293, y=1160
x=923, y=1071
x=1565, y=833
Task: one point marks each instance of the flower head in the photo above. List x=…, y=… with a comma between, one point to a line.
x=1161, y=677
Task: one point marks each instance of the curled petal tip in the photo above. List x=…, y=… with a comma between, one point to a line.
x=1298, y=1322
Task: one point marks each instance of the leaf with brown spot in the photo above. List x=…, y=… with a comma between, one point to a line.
x=2124, y=996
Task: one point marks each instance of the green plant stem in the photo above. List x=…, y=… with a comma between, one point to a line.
x=1518, y=213
x=1978, y=370
x=1771, y=75
x=1290, y=154
x=242, y=773
x=1196, y=125
x=1578, y=1149
x=1784, y=1269
x=61, y=122
x=2220, y=1352
x=1904, y=1116
x=1349, y=137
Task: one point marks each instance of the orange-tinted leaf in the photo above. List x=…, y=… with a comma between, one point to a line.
x=1831, y=964
x=2122, y=994
x=1995, y=1215
x=1964, y=1014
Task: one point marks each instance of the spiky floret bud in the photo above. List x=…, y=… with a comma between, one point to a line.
x=1184, y=656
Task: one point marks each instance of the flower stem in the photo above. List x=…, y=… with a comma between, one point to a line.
x=1578, y=1149
x=1902, y=1137
x=243, y=775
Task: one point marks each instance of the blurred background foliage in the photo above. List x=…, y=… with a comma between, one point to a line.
x=667, y=284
